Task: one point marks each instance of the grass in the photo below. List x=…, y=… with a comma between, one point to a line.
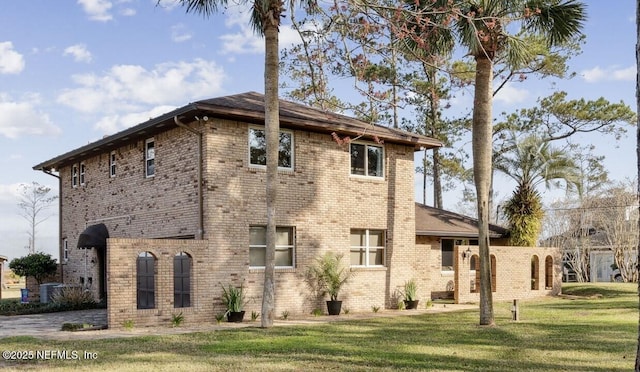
x=595, y=329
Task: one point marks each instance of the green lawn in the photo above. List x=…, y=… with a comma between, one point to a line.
x=595, y=330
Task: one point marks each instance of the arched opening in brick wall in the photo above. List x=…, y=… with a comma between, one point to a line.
x=474, y=266
x=535, y=273
x=182, y=280
x=146, y=280
x=494, y=267
x=548, y=272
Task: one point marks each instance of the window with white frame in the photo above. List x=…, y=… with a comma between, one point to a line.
x=65, y=250
x=112, y=164
x=149, y=158
x=367, y=160
x=83, y=170
x=367, y=247
x=285, y=246
x=74, y=175
x=258, y=149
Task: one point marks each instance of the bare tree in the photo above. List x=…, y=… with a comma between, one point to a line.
x=567, y=226
x=34, y=201
x=615, y=219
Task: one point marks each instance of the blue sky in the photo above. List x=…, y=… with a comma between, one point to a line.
x=74, y=71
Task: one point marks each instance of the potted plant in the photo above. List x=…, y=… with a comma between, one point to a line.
x=327, y=276
x=410, y=295
x=233, y=298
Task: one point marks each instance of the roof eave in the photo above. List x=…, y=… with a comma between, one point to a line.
x=113, y=141
x=257, y=117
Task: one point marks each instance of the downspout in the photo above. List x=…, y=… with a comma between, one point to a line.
x=200, y=231
x=60, y=248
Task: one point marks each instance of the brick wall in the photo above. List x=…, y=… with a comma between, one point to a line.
x=318, y=198
x=122, y=254
x=129, y=204
x=438, y=283
x=322, y=201
x=514, y=273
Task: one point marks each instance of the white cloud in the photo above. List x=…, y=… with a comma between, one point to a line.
x=179, y=33
x=245, y=40
x=79, y=53
x=11, y=62
x=132, y=88
x=166, y=4
x=114, y=123
x=128, y=12
x=510, y=94
x=9, y=193
x=611, y=73
x=97, y=10
x=19, y=118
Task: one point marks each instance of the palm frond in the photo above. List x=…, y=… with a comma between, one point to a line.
x=559, y=21
x=204, y=7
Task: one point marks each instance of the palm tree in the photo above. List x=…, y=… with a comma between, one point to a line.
x=265, y=20
x=532, y=162
x=489, y=30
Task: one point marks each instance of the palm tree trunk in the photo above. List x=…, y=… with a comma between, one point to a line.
x=272, y=134
x=481, y=144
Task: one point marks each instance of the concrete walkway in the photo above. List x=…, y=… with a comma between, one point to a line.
x=48, y=326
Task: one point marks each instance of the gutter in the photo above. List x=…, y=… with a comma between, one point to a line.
x=60, y=247
x=200, y=232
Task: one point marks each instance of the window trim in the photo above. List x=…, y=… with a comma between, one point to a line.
x=112, y=164
x=65, y=250
x=366, y=160
x=282, y=247
x=147, y=158
x=83, y=173
x=368, y=249
x=74, y=175
x=261, y=166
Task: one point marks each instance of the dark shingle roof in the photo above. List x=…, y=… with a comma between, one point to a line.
x=439, y=222
x=247, y=107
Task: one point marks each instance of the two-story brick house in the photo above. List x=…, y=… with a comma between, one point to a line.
x=181, y=198
x=158, y=217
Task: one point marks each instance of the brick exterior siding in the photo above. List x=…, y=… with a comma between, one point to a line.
x=319, y=198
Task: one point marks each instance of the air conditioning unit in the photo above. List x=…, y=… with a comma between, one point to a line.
x=46, y=292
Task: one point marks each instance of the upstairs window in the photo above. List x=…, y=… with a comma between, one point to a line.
x=367, y=247
x=65, y=250
x=258, y=149
x=149, y=158
x=83, y=169
x=74, y=176
x=112, y=164
x=367, y=160
x=285, y=246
